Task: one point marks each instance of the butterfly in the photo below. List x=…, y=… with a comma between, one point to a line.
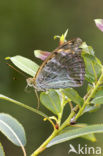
x=63, y=68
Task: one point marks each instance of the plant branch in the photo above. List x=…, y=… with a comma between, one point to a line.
x=28, y=108
x=90, y=96
x=43, y=146
x=55, y=133
x=68, y=120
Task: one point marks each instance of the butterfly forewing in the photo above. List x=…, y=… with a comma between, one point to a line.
x=63, y=69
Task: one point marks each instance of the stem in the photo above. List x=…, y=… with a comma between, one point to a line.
x=93, y=91
x=43, y=146
x=67, y=121
x=55, y=132
x=62, y=108
x=28, y=108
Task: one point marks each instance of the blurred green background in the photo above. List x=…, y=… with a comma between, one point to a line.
x=28, y=25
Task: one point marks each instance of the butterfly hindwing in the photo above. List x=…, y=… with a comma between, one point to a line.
x=64, y=69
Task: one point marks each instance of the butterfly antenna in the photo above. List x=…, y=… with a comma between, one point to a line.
x=37, y=98
x=16, y=69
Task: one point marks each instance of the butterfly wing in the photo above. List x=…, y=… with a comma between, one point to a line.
x=64, y=69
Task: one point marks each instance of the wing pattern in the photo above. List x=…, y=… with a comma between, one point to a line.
x=65, y=69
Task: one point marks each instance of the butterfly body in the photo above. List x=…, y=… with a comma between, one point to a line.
x=63, y=68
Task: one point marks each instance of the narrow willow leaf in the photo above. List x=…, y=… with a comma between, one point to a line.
x=92, y=68
x=90, y=137
x=12, y=129
x=91, y=109
x=98, y=100
x=76, y=133
x=73, y=95
x=2, y=153
x=41, y=54
x=99, y=92
x=65, y=34
x=26, y=65
x=51, y=100
x=23, y=105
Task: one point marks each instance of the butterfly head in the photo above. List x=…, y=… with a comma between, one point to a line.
x=30, y=82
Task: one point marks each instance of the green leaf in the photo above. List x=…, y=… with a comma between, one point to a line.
x=73, y=95
x=51, y=100
x=91, y=109
x=87, y=49
x=90, y=137
x=12, y=129
x=26, y=65
x=2, y=153
x=92, y=67
x=62, y=37
x=24, y=106
x=98, y=128
x=99, y=92
x=90, y=86
x=98, y=99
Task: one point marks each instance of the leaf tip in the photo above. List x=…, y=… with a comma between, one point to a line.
x=41, y=54
x=93, y=140
x=99, y=24
x=7, y=58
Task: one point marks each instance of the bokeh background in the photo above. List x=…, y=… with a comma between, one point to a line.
x=28, y=25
